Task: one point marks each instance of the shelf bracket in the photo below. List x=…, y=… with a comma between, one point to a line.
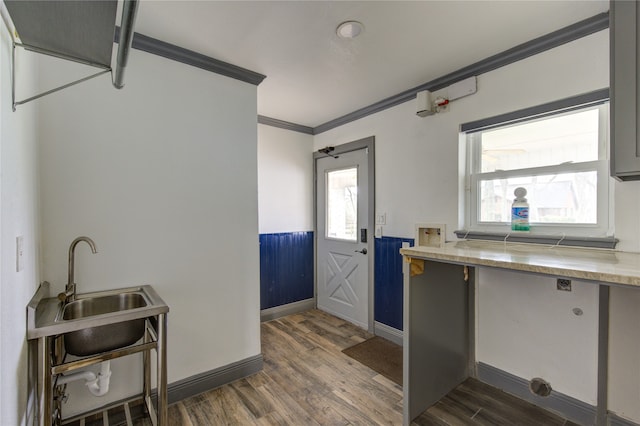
x=15, y=103
x=416, y=266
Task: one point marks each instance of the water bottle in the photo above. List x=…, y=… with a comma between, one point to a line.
x=520, y=211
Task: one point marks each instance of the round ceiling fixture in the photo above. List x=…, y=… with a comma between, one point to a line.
x=349, y=29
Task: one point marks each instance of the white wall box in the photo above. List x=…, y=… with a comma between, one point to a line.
x=430, y=234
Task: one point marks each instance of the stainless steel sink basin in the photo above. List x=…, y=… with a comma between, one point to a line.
x=103, y=338
x=90, y=306
x=95, y=322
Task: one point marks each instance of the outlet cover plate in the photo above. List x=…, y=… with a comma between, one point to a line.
x=563, y=284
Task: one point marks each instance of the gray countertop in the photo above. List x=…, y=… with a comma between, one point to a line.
x=608, y=266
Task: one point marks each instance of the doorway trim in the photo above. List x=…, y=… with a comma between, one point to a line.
x=369, y=144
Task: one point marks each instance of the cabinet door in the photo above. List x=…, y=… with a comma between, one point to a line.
x=625, y=144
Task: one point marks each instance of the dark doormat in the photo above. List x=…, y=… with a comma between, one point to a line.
x=380, y=355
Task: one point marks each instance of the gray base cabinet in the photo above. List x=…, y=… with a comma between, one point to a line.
x=437, y=348
x=624, y=75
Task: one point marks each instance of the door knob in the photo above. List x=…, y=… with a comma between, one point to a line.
x=363, y=251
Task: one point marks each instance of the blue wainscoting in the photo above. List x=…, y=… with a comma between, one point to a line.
x=286, y=268
x=388, y=281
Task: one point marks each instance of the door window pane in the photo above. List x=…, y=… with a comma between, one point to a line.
x=342, y=204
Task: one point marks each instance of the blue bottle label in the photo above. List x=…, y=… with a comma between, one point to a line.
x=520, y=218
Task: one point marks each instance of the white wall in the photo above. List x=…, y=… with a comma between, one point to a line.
x=18, y=217
x=163, y=176
x=417, y=175
x=285, y=180
x=417, y=158
x=527, y=327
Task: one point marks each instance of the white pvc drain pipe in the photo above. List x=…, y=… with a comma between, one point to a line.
x=97, y=385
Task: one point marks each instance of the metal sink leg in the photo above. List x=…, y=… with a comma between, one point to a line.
x=162, y=370
x=44, y=383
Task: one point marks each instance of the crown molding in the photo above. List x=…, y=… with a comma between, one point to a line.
x=189, y=57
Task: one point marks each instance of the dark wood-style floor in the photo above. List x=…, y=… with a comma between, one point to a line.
x=307, y=380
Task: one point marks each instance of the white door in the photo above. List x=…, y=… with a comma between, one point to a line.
x=342, y=222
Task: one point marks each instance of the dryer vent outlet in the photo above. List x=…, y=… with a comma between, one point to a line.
x=540, y=387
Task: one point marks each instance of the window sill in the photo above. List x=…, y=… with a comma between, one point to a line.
x=519, y=237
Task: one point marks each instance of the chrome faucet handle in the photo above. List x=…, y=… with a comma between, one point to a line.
x=68, y=294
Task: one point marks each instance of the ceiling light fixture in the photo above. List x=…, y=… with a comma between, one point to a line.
x=349, y=29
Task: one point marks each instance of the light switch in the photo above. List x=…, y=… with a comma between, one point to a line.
x=19, y=253
x=381, y=219
x=378, y=231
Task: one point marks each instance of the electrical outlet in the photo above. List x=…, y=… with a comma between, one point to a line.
x=563, y=284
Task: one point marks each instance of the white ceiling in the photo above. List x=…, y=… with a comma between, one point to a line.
x=313, y=76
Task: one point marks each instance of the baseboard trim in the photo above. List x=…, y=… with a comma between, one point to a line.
x=194, y=385
x=388, y=332
x=288, y=309
x=619, y=421
x=564, y=405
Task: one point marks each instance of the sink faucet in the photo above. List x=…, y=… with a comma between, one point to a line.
x=69, y=294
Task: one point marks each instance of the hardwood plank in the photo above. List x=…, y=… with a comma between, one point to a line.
x=506, y=406
x=258, y=379
x=370, y=394
x=288, y=408
x=318, y=315
x=483, y=414
x=307, y=380
x=294, y=375
x=286, y=344
x=320, y=407
x=272, y=419
x=255, y=402
x=230, y=407
x=294, y=327
x=388, y=384
x=288, y=332
x=348, y=411
x=338, y=329
x=450, y=413
x=325, y=341
x=379, y=413
x=296, y=318
x=178, y=415
x=298, y=326
x=203, y=413
x=428, y=419
x=194, y=400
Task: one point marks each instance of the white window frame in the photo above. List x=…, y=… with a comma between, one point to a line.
x=473, y=177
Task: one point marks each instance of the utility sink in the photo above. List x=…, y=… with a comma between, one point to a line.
x=93, y=340
x=95, y=322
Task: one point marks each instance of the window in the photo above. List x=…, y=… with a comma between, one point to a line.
x=342, y=204
x=560, y=159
